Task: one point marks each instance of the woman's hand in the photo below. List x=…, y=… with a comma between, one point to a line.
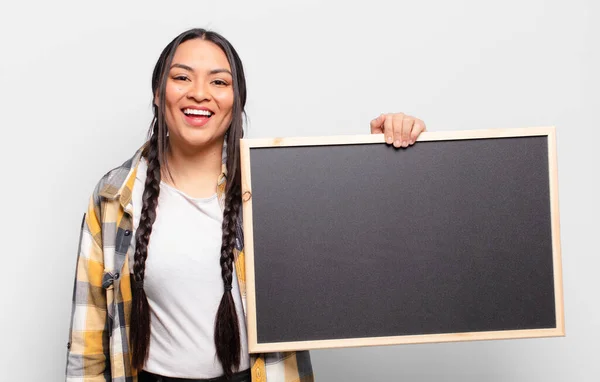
x=399, y=129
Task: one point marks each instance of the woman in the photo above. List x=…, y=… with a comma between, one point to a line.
x=172, y=308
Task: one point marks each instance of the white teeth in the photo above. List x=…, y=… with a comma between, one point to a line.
x=197, y=112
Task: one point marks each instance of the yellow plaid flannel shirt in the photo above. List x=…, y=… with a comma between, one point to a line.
x=98, y=348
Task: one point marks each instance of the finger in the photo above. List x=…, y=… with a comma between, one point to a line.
x=407, y=126
x=388, y=129
x=377, y=125
x=398, y=118
x=418, y=128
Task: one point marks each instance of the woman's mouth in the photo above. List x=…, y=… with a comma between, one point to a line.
x=197, y=117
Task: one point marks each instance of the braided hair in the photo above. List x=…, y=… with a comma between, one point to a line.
x=227, y=333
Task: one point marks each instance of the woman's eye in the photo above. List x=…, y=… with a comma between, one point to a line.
x=180, y=78
x=220, y=83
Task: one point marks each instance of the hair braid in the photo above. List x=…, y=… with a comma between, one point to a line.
x=140, y=312
x=227, y=334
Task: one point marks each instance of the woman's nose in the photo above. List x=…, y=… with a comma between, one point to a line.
x=198, y=92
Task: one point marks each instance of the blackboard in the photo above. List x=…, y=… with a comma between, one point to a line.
x=351, y=242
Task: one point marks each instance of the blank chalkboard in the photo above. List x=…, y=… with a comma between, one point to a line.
x=351, y=242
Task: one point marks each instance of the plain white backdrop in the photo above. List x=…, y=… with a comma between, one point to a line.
x=75, y=102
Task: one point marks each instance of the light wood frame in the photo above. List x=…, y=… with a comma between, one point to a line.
x=255, y=347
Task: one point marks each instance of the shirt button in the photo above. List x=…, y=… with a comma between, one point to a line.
x=68, y=345
x=127, y=232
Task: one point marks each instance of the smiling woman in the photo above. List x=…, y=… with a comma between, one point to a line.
x=199, y=96
x=169, y=304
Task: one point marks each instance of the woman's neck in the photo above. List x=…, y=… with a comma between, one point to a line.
x=194, y=172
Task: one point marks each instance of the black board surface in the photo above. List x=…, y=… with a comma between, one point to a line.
x=364, y=240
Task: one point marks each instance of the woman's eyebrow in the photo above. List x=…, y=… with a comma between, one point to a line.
x=190, y=69
x=217, y=71
x=181, y=66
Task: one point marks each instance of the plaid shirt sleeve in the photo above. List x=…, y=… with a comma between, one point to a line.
x=287, y=367
x=88, y=357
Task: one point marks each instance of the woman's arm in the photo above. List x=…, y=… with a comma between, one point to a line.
x=88, y=356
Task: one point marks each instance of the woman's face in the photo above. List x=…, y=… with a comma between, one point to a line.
x=198, y=95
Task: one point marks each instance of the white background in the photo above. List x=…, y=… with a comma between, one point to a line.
x=75, y=102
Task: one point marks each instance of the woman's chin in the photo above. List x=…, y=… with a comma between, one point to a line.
x=201, y=140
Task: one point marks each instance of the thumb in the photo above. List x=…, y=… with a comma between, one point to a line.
x=377, y=124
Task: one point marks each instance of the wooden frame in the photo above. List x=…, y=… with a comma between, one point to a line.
x=255, y=347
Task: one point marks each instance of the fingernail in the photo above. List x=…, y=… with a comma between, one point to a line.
x=390, y=140
x=397, y=144
x=404, y=144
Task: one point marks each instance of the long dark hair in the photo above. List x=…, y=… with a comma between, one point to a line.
x=227, y=334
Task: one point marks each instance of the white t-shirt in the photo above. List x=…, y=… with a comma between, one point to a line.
x=183, y=283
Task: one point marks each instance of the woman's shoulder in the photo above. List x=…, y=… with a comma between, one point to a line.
x=112, y=182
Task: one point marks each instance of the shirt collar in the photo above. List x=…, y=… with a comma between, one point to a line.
x=120, y=181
